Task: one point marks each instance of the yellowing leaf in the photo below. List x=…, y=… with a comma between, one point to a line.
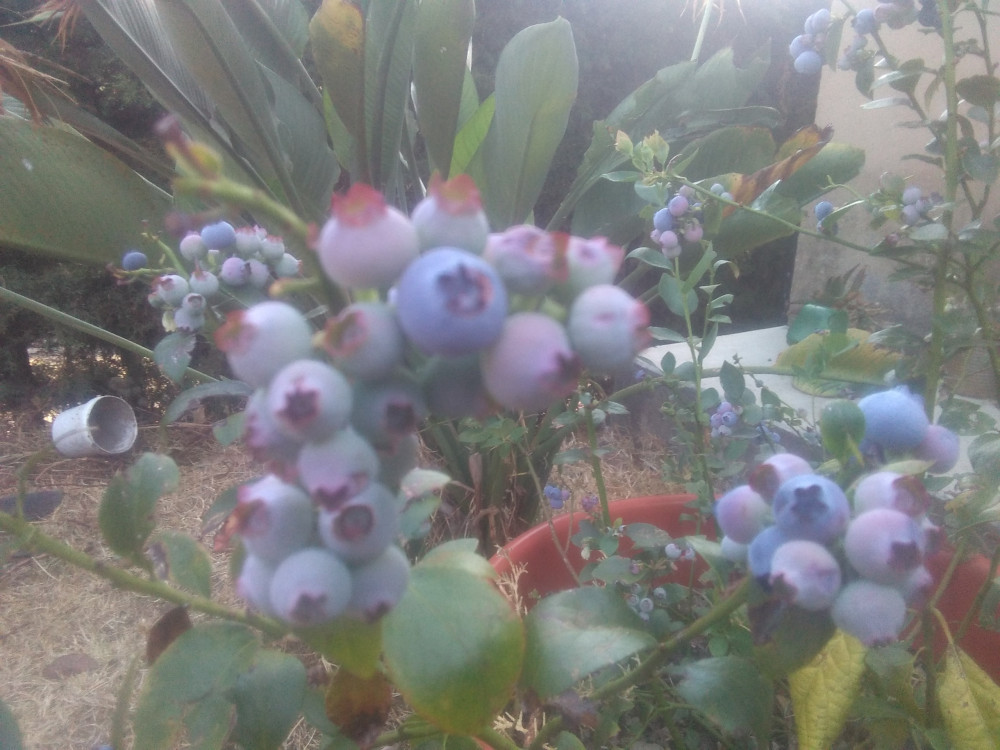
x=823, y=691
x=337, y=32
x=970, y=703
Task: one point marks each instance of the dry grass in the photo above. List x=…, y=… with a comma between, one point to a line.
x=49, y=609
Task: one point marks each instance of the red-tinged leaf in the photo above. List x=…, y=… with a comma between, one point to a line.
x=359, y=706
x=165, y=631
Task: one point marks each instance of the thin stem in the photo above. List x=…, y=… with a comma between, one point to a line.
x=32, y=538
x=65, y=319
x=706, y=17
x=595, y=466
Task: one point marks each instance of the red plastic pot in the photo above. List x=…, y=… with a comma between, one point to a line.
x=546, y=571
x=958, y=597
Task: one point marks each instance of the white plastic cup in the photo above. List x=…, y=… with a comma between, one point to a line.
x=103, y=426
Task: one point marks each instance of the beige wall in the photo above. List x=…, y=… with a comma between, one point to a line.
x=885, y=143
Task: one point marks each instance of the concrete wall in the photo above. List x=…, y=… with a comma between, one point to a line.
x=885, y=140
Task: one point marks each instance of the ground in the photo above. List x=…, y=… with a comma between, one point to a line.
x=68, y=638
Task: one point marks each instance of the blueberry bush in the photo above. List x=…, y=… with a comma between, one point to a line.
x=348, y=331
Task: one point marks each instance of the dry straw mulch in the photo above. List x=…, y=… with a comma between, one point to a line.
x=67, y=637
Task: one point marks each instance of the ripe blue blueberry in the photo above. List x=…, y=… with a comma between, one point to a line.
x=895, y=421
x=133, y=260
x=761, y=550
x=940, y=446
x=218, y=236
x=809, y=62
x=254, y=583
x=450, y=301
x=335, y=470
x=864, y=21
x=822, y=210
x=810, y=506
x=234, y=271
x=265, y=442
x=310, y=587
x=663, y=220
x=678, y=206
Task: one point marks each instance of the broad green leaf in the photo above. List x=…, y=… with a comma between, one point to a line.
x=981, y=90
x=204, y=35
x=679, y=301
x=836, y=163
x=731, y=149
x=268, y=698
x=173, y=354
x=454, y=648
x=388, y=52
x=731, y=691
x=337, y=34
x=459, y=554
x=193, y=396
x=609, y=210
x=647, y=536
x=970, y=703
x=574, y=633
x=787, y=638
x=349, y=642
x=126, y=511
x=443, y=32
x=10, y=735
x=227, y=431
x=733, y=381
x=742, y=230
x=466, y=156
x=823, y=691
x=102, y=206
x=277, y=31
x=614, y=569
x=863, y=363
x=651, y=257
x=842, y=426
x=536, y=82
x=186, y=693
x=182, y=560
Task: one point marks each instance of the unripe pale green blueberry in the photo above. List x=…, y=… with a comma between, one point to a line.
x=274, y=518
x=364, y=340
x=335, y=470
x=607, y=328
x=262, y=339
x=773, y=472
x=871, y=612
x=379, y=584
x=309, y=400
x=171, y=289
x=806, y=574
x=451, y=215
x=360, y=529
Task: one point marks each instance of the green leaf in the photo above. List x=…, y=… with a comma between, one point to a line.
x=730, y=149
x=227, y=431
x=679, y=301
x=10, y=735
x=353, y=644
x=204, y=35
x=969, y=701
x=733, y=381
x=186, y=692
x=842, y=426
x=183, y=561
x=191, y=397
x=459, y=554
x=981, y=90
x=443, y=32
x=454, y=648
x=173, y=354
x=126, y=511
x=470, y=139
x=388, y=52
x=731, y=691
x=614, y=569
x=102, y=205
x=574, y=633
x=536, y=82
x=824, y=690
x=647, y=536
x=268, y=698
x=930, y=232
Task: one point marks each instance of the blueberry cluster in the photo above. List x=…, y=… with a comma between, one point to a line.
x=335, y=411
x=807, y=49
x=556, y=496
x=679, y=222
x=807, y=543
x=223, y=258
x=917, y=206
x=724, y=419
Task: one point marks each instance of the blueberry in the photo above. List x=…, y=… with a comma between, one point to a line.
x=940, y=446
x=607, y=328
x=379, y=584
x=590, y=262
x=366, y=243
x=531, y=364
x=309, y=400
x=193, y=247
x=218, y=236
x=133, y=260
x=451, y=215
x=262, y=339
x=678, y=206
x=761, y=550
x=742, y=514
x=887, y=489
x=810, y=506
x=453, y=388
x=450, y=301
x=864, y=21
x=774, y=471
x=871, y=612
x=364, y=340
x=894, y=420
x=822, y=210
x=388, y=410
x=360, y=529
x=234, y=271
x=273, y=518
x=310, y=587
x=254, y=583
x=663, y=220
x=885, y=545
x=809, y=62
x=806, y=574
x=527, y=258
x=335, y=470
x=171, y=289
x=204, y=283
